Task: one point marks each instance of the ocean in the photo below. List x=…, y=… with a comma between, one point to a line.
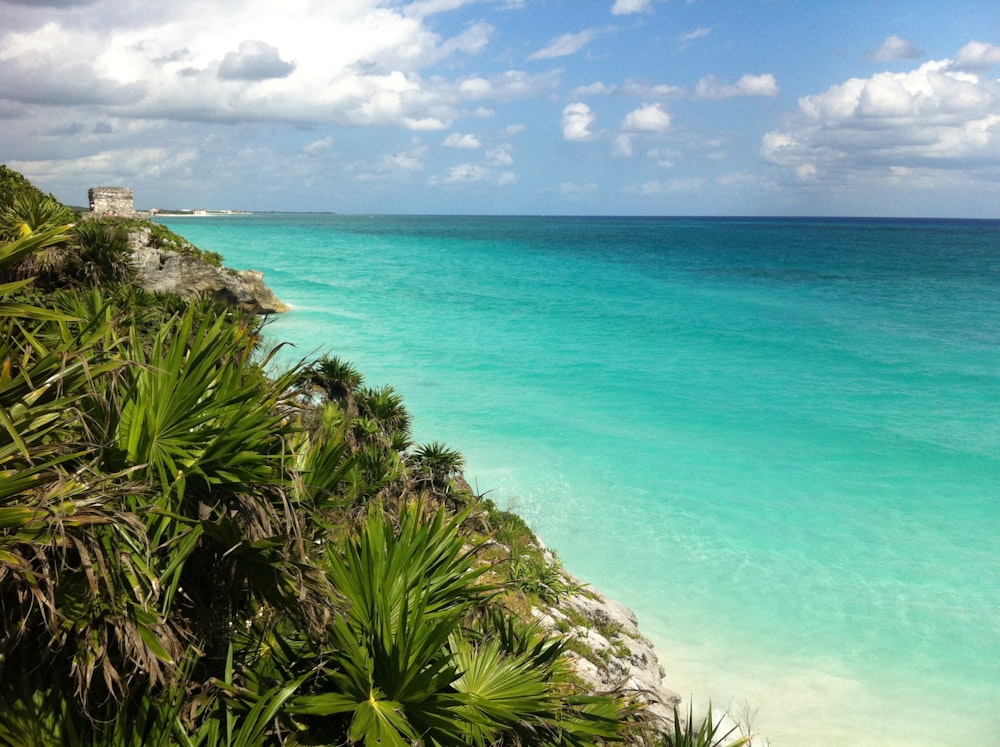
x=777, y=440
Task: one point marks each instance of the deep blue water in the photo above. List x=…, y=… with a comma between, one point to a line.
x=777, y=440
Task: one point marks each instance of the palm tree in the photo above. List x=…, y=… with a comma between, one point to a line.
x=101, y=252
x=337, y=378
x=32, y=213
x=384, y=407
x=400, y=668
x=435, y=466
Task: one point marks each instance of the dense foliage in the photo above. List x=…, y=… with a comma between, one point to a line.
x=196, y=551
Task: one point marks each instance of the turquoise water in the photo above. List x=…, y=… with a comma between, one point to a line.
x=777, y=440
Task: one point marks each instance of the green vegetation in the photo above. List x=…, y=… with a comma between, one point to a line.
x=690, y=733
x=194, y=551
x=161, y=237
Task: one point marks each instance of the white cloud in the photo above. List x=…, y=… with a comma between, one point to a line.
x=665, y=158
x=621, y=146
x=355, y=63
x=894, y=48
x=472, y=173
x=564, y=45
x=123, y=166
x=514, y=129
x=641, y=89
x=647, y=118
x=711, y=87
x=935, y=116
x=509, y=85
x=472, y=41
x=465, y=142
x=698, y=33
x=500, y=156
x=318, y=146
x=424, y=8
x=978, y=54
x=594, y=89
x=466, y=172
x=255, y=60
x=576, y=121
x=627, y=7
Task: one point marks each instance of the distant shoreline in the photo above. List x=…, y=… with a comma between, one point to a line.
x=198, y=213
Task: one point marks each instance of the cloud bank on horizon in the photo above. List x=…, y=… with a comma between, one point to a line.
x=509, y=106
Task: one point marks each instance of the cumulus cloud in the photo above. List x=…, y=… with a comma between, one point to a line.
x=711, y=87
x=355, y=63
x=627, y=7
x=564, y=45
x=936, y=115
x=647, y=118
x=464, y=142
x=894, y=48
x=576, y=121
x=255, y=60
x=978, y=54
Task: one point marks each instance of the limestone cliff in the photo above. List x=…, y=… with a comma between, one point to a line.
x=614, y=655
x=166, y=271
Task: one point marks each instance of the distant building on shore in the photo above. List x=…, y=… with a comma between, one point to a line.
x=116, y=201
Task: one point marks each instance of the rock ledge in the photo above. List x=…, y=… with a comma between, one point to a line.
x=165, y=271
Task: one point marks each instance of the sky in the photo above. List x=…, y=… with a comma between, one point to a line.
x=600, y=107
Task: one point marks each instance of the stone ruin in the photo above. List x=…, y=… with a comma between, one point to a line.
x=116, y=201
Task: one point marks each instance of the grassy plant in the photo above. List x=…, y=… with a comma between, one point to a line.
x=686, y=733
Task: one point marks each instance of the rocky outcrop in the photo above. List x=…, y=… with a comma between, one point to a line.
x=611, y=654
x=166, y=271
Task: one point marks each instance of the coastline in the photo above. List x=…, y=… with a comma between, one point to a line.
x=710, y=562
x=201, y=214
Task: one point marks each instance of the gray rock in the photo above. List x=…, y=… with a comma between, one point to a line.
x=623, y=660
x=166, y=271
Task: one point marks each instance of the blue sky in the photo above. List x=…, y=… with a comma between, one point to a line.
x=647, y=107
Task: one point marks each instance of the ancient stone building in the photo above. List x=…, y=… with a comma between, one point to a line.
x=111, y=201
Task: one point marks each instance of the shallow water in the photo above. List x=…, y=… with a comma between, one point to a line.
x=776, y=440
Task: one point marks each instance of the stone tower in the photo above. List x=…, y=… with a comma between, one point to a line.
x=111, y=201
